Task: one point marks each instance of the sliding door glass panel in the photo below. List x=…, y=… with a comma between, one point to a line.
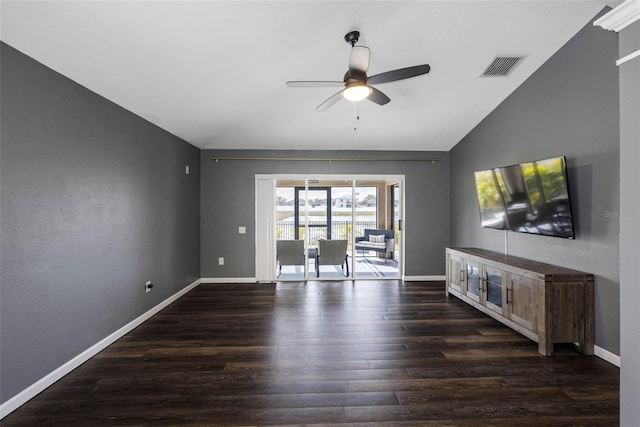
x=333, y=257
x=313, y=214
x=284, y=213
x=374, y=235
x=291, y=263
x=341, y=212
x=365, y=219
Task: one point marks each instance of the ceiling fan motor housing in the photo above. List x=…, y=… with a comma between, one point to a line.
x=355, y=78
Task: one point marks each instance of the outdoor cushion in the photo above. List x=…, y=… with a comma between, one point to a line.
x=377, y=238
x=364, y=243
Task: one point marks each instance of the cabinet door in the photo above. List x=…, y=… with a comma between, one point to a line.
x=472, y=280
x=522, y=301
x=493, y=284
x=455, y=272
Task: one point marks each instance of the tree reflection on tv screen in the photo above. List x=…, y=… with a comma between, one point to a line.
x=530, y=197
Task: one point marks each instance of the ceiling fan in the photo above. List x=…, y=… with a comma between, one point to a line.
x=357, y=86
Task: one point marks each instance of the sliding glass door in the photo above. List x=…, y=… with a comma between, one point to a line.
x=337, y=228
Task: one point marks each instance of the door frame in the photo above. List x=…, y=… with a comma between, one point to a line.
x=265, y=249
x=392, y=197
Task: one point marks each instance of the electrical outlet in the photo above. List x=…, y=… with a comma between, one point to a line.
x=186, y=170
x=242, y=230
x=221, y=260
x=148, y=286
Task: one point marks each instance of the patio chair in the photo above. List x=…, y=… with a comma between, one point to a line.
x=332, y=252
x=380, y=241
x=289, y=252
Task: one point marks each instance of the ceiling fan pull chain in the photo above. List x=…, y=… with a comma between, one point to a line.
x=357, y=113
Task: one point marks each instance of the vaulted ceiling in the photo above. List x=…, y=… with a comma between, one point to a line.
x=214, y=72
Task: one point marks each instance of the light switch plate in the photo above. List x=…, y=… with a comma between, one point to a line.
x=242, y=230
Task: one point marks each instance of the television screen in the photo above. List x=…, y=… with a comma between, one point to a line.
x=530, y=197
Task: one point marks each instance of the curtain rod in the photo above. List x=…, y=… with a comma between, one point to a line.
x=325, y=159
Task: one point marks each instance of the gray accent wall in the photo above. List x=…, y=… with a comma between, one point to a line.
x=570, y=107
x=95, y=201
x=228, y=201
x=629, y=227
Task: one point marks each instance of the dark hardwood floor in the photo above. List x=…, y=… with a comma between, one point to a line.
x=322, y=353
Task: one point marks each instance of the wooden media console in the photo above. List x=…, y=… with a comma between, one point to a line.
x=544, y=302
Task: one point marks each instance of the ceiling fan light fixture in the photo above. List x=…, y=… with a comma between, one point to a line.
x=356, y=93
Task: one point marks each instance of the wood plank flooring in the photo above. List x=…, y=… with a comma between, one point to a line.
x=327, y=353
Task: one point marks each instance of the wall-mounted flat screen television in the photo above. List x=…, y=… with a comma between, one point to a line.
x=531, y=197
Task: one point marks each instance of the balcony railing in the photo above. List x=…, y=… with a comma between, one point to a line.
x=318, y=230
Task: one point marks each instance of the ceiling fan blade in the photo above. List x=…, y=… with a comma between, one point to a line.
x=378, y=97
x=359, y=58
x=314, y=83
x=399, y=74
x=330, y=101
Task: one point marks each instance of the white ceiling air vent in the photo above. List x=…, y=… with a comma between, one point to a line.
x=501, y=66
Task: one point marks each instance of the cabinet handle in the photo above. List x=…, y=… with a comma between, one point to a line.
x=461, y=275
x=508, y=296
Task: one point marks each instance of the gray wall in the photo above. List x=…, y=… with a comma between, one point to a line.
x=629, y=227
x=95, y=201
x=570, y=107
x=228, y=201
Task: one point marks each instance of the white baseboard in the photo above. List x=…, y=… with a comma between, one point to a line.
x=36, y=388
x=612, y=358
x=228, y=280
x=424, y=278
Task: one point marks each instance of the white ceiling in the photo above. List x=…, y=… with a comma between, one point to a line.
x=214, y=72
